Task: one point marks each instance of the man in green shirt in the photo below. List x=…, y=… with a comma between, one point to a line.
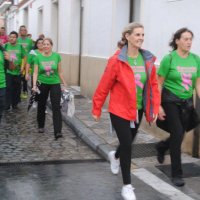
x=15, y=53
x=27, y=43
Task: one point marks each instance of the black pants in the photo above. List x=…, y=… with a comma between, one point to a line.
x=13, y=83
x=24, y=84
x=55, y=95
x=173, y=143
x=126, y=136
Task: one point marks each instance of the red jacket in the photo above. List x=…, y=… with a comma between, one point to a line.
x=118, y=79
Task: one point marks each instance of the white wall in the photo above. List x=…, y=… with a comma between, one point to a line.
x=162, y=18
x=103, y=22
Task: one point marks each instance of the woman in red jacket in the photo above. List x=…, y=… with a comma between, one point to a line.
x=130, y=77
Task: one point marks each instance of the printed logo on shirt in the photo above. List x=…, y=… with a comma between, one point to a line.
x=48, y=67
x=186, y=76
x=137, y=71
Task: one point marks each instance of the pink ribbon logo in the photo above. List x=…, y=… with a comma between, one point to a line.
x=186, y=80
x=13, y=56
x=48, y=70
x=138, y=81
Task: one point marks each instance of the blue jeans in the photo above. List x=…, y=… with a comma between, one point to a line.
x=2, y=101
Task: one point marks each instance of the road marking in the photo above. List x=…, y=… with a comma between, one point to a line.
x=160, y=185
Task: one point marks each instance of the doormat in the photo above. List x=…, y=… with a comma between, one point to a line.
x=189, y=170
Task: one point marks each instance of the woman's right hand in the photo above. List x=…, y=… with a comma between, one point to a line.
x=96, y=118
x=161, y=114
x=34, y=89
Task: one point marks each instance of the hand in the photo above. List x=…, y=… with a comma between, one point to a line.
x=63, y=87
x=27, y=77
x=155, y=116
x=6, y=55
x=34, y=89
x=96, y=118
x=161, y=114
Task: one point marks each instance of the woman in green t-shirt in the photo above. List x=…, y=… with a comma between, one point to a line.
x=47, y=71
x=37, y=49
x=178, y=75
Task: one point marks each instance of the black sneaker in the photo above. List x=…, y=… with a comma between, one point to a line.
x=8, y=108
x=58, y=135
x=15, y=107
x=41, y=130
x=160, y=154
x=177, y=181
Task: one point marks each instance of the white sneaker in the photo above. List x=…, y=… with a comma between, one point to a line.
x=128, y=192
x=114, y=163
x=34, y=104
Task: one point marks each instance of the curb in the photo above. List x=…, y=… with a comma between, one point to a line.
x=88, y=136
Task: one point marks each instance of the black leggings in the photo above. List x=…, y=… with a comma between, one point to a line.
x=55, y=95
x=125, y=136
x=173, y=143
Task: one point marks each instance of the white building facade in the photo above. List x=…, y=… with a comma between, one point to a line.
x=85, y=32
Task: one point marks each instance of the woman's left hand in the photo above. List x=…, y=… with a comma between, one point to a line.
x=155, y=116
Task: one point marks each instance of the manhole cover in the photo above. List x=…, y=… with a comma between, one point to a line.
x=189, y=170
x=143, y=150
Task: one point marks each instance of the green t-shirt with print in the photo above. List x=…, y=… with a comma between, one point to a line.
x=180, y=73
x=48, y=68
x=27, y=43
x=17, y=53
x=2, y=71
x=31, y=59
x=138, y=67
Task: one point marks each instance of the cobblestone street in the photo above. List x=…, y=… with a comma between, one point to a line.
x=21, y=142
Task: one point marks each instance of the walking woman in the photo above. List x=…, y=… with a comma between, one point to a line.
x=37, y=49
x=48, y=71
x=130, y=78
x=178, y=75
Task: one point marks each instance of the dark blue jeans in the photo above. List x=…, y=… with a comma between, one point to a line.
x=13, y=83
x=55, y=95
x=2, y=101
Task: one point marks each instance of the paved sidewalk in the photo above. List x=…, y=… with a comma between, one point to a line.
x=97, y=134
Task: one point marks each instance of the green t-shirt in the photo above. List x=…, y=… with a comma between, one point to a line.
x=180, y=73
x=31, y=59
x=138, y=67
x=27, y=43
x=2, y=71
x=17, y=53
x=48, y=68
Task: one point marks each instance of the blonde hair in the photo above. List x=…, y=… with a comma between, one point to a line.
x=128, y=29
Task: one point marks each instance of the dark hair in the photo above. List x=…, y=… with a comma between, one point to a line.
x=177, y=35
x=49, y=39
x=14, y=33
x=128, y=29
x=36, y=42
x=22, y=26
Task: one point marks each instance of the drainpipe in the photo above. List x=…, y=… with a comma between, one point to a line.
x=131, y=4
x=196, y=136
x=80, y=41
